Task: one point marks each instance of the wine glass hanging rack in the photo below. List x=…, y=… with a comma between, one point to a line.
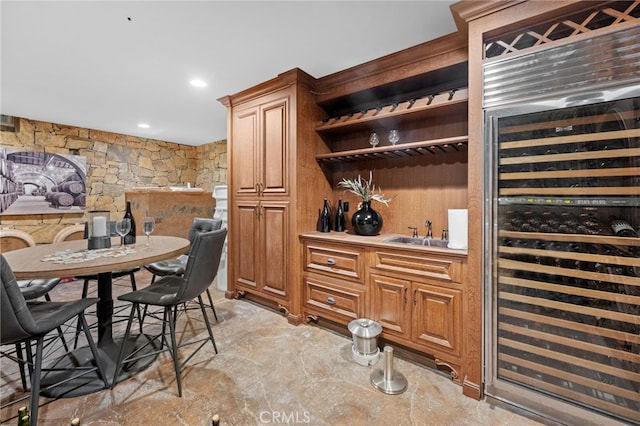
x=391, y=116
x=412, y=149
x=449, y=98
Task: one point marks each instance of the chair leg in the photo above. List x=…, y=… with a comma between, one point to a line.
x=94, y=350
x=60, y=333
x=213, y=309
x=206, y=321
x=134, y=287
x=27, y=346
x=34, y=397
x=123, y=347
x=174, y=349
x=85, y=291
x=21, y=366
x=165, y=321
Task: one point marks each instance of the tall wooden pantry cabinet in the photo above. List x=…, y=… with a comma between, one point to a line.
x=272, y=148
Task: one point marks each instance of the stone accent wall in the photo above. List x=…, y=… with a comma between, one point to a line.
x=115, y=163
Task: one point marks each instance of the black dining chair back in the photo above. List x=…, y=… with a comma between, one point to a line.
x=16, y=325
x=170, y=291
x=24, y=322
x=200, y=225
x=14, y=239
x=202, y=264
x=177, y=266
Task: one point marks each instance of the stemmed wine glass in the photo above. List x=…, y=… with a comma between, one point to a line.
x=149, y=225
x=394, y=137
x=374, y=140
x=122, y=228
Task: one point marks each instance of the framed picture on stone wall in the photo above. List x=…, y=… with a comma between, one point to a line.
x=41, y=182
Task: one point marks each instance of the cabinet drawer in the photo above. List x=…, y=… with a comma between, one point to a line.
x=427, y=265
x=339, y=303
x=335, y=260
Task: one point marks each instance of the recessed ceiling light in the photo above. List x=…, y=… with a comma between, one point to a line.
x=198, y=83
x=143, y=125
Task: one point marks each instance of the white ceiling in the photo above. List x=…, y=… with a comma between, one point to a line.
x=109, y=65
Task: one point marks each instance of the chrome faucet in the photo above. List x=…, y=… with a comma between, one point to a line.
x=414, y=233
x=429, y=230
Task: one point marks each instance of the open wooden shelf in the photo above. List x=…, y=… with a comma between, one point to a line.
x=412, y=149
x=399, y=111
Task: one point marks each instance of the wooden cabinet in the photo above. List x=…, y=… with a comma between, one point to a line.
x=271, y=163
x=416, y=295
x=391, y=305
x=417, y=298
x=417, y=314
x=333, y=284
x=293, y=138
x=422, y=93
x=437, y=317
x=261, y=250
x=263, y=126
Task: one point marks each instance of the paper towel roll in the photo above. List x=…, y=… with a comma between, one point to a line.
x=458, y=229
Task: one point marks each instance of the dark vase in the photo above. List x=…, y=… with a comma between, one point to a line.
x=366, y=221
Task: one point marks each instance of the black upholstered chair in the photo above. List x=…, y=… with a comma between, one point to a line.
x=14, y=239
x=177, y=266
x=31, y=289
x=173, y=290
x=30, y=322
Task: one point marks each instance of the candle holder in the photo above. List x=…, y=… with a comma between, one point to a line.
x=98, y=234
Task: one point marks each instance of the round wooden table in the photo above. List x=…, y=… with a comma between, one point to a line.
x=28, y=263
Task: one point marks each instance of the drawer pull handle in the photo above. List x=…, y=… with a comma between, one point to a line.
x=331, y=301
x=331, y=261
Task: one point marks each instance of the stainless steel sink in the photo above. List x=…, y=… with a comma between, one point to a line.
x=427, y=242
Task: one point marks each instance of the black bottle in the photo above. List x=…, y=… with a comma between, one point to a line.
x=130, y=238
x=339, y=225
x=325, y=218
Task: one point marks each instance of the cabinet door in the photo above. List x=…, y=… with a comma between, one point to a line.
x=274, y=219
x=437, y=317
x=275, y=146
x=390, y=305
x=246, y=166
x=245, y=241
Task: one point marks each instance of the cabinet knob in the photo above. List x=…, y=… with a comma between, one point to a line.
x=331, y=301
x=331, y=261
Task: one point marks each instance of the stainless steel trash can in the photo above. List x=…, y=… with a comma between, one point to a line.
x=365, y=334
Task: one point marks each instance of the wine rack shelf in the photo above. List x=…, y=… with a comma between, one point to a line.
x=432, y=104
x=412, y=149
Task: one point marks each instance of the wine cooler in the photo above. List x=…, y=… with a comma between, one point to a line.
x=562, y=269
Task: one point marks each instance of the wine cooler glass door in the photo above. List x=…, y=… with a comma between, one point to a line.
x=565, y=266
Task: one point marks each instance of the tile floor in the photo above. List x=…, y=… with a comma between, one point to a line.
x=267, y=372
